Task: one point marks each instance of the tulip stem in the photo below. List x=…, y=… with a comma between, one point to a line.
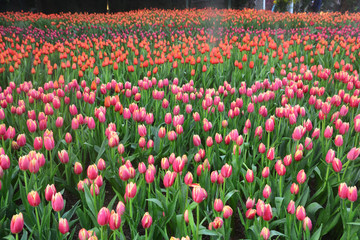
x=130, y=208
x=25, y=180
x=17, y=236
x=146, y=234
x=38, y=222
x=94, y=194
x=280, y=186
x=197, y=220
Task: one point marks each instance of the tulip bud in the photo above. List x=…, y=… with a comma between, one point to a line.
x=130, y=190
x=265, y=233
x=267, y=212
x=63, y=225
x=265, y=172
x=250, y=203
x=343, y=190
x=337, y=165
x=291, y=207
x=103, y=216
x=218, y=223
x=218, y=205
x=227, y=212
x=266, y=191
x=57, y=202
x=199, y=194
x=250, y=213
x=352, y=194
x=50, y=190
x=78, y=168
x=301, y=177
x=17, y=223
x=307, y=224
x=146, y=221
x=33, y=198
x=300, y=213
x=249, y=176
x=226, y=170
x=294, y=189
x=114, y=220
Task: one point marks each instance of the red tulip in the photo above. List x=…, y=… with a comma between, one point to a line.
x=265, y=233
x=301, y=177
x=63, y=225
x=146, y=221
x=226, y=170
x=300, y=213
x=57, y=202
x=103, y=216
x=218, y=205
x=352, y=194
x=249, y=176
x=227, y=211
x=267, y=212
x=218, y=223
x=17, y=223
x=343, y=190
x=130, y=190
x=307, y=224
x=114, y=220
x=199, y=194
x=92, y=172
x=33, y=198
x=266, y=191
x=291, y=207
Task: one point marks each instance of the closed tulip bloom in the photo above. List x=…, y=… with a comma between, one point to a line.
x=338, y=140
x=68, y=138
x=266, y=191
x=63, y=225
x=353, y=154
x=218, y=205
x=169, y=179
x=78, y=168
x=50, y=190
x=21, y=140
x=209, y=141
x=299, y=131
x=352, y=194
x=218, y=222
x=301, y=177
x=267, y=212
x=57, y=202
x=23, y=164
x=226, y=170
x=130, y=190
x=49, y=140
x=260, y=208
x=120, y=208
x=63, y=156
x=33, y=198
x=343, y=190
x=269, y=125
x=146, y=221
x=38, y=143
x=250, y=213
x=250, y=203
x=142, y=130
x=17, y=223
x=265, y=233
x=300, y=213
x=214, y=176
x=83, y=234
x=31, y=125
x=337, y=165
x=330, y=156
x=227, y=211
x=307, y=224
x=103, y=216
x=59, y=122
x=271, y=154
x=149, y=176
x=328, y=132
x=199, y=194
x=265, y=172
x=178, y=164
x=101, y=165
x=308, y=143
x=291, y=207
x=92, y=172
x=294, y=189
x=188, y=179
x=249, y=176
x=196, y=140
x=114, y=220
x=186, y=216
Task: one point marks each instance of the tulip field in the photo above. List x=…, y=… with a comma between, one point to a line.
x=179, y=124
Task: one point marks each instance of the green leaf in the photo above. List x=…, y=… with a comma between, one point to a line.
x=229, y=195
x=276, y=233
x=157, y=202
x=317, y=234
x=207, y=232
x=354, y=223
x=313, y=208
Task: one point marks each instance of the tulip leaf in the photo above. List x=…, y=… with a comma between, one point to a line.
x=354, y=223
x=68, y=215
x=229, y=195
x=276, y=233
x=157, y=202
x=313, y=208
x=208, y=232
x=317, y=234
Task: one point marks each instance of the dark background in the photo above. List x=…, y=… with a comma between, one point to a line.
x=99, y=6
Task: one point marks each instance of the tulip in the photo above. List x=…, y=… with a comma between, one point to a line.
x=120, y=208
x=294, y=189
x=50, y=190
x=343, y=190
x=353, y=154
x=267, y=212
x=265, y=233
x=63, y=156
x=146, y=221
x=92, y=172
x=17, y=223
x=266, y=191
x=269, y=125
x=169, y=179
x=265, y=172
x=78, y=168
x=199, y=194
x=249, y=176
x=38, y=143
x=130, y=190
x=103, y=216
x=63, y=225
x=57, y=202
x=83, y=234
x=250, y=203
x=250, y=213
x=33, y=198
x=352, y=194
x=330, y=156
x=307, y=224
x=337, y=165
x=291, y=207
x=271, y=154
x=186, y=216
x=226, y=170
x=301, y=177
x=300, y=213
x=218, y=223
x=196, y=140
x=218, y=205
x=188, y=179
x=227, y=212
x=114, y=220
